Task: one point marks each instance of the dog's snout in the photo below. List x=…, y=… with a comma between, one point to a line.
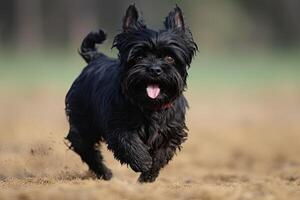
x=156, y=70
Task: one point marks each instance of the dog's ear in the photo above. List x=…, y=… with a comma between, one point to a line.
x=175, y=19
x=130, y=20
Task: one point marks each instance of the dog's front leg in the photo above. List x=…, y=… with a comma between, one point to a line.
x=161, y=157
x=128, y=148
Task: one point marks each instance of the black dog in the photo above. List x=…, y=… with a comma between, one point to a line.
x=134, y=103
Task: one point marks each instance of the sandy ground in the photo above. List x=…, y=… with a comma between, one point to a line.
x=242, y=146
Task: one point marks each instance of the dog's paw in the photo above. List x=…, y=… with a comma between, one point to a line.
x=147, y=177
x=105, y=174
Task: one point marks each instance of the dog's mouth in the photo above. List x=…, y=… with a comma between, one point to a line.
x=153, y=91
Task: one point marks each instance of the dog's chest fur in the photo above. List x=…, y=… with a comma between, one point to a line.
x=164, y=128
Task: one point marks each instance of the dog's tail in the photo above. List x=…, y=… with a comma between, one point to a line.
x=88, y=49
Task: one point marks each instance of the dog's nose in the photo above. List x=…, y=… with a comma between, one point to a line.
x=156, y=70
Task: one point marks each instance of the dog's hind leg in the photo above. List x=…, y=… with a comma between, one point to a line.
x=89, y=154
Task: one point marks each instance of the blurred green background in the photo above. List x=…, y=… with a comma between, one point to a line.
x=243, y=43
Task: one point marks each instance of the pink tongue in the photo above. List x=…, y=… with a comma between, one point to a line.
x=153, y=91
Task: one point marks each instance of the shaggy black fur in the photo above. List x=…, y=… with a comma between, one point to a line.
x=108, y=101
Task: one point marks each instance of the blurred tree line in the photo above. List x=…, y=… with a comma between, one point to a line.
x=38, y=24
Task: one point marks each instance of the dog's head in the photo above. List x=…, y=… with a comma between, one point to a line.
x=154, y=63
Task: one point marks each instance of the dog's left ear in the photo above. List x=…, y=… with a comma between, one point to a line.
x=175, y=19
x=130, y=20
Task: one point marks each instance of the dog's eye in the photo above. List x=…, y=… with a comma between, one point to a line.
x=169, y=60
x=139, y=58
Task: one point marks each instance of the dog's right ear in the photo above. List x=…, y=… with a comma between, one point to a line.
x=130, y=20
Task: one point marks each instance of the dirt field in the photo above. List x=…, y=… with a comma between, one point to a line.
x=242, y=146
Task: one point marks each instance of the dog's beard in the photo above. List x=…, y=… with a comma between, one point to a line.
x=148, y=91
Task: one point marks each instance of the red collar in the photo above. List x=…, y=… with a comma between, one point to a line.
x=167, y=105
x=163, y=107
